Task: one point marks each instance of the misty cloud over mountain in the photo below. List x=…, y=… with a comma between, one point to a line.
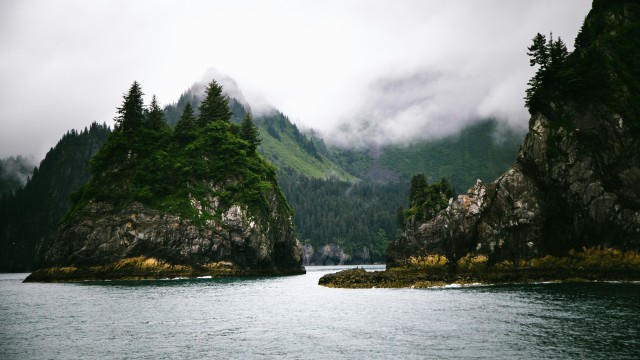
x=330, y=65
x=427, y=104
x=14, y=171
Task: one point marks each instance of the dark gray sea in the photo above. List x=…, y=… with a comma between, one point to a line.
x=294, y=318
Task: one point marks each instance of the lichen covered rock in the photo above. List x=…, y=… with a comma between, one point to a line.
x=100, y=235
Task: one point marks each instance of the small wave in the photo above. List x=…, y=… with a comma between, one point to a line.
x=458, y=286
x=169, y=279
x=204, y=277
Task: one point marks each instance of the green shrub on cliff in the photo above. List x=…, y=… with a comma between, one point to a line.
x=426, y=200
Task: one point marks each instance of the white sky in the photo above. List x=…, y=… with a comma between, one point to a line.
x=388, y=70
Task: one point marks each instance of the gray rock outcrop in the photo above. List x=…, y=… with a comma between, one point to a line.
x=576, y=182
x=100, y=235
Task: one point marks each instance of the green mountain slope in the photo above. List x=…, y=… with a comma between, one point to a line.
x=282, y=143
x=286, y=147
x=475, y=153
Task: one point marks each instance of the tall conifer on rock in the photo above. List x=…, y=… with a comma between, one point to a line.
x=249, y=132
x=184, y=132
x=215, y=106
x=119, y=155
x=549, y=56
x=131, y=114
x=155, y=129
x=155, y=119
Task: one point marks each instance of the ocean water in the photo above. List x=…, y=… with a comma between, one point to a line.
x=294, y=318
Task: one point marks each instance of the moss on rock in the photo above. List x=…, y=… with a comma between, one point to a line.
x=587, y=264
x=141, y=268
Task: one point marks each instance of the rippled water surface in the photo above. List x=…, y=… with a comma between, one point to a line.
x=293, y=317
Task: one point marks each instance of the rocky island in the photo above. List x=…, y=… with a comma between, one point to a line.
x=569, y=209
x=196, y=200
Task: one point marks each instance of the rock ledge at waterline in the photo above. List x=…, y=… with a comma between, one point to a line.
x=142, y=243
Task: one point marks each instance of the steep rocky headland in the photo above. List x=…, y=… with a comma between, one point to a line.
x=139, y=242
x=570, y=206
x=196, y=200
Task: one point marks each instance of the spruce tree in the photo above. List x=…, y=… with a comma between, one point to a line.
x=215, y=106
x=249, y=132
x=184, y=131
x=155, y=117
x=131, y=114
x=538, y=51
x=155, y=128
x=418, y=185
x=120, y=150
x=557, y=51
x=549, y=56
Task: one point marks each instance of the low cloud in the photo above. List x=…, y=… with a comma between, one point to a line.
x=428, y=104
x=385, y=70
x=17, y=169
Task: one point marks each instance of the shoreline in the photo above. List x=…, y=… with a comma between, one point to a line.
x=147, y=268
x=589, y=264
x=409, y=279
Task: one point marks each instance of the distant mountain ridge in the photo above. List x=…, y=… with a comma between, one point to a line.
x=475, y=152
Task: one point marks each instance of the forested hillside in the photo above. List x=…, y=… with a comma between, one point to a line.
x=351, y=215
x=481, y=151
x=28, y=216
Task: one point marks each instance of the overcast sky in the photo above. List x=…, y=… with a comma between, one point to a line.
x=387, y=70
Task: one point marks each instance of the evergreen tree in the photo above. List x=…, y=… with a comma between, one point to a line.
x=249, y=132
x=155, y=129
x=184, y=131
x=155, y=117
x=549, y=56
x=131, y=114
x=539, y=56
x=215, y=106
x=557, y=51
x=120, y=151
x=426, y=200
x=418, y=185
x=539, y=51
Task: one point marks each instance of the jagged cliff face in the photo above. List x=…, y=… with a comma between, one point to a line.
x=102, y=235
x=576, y=182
